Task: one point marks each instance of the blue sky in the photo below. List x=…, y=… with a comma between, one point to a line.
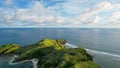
x=77, y=13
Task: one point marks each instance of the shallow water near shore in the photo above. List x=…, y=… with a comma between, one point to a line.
x=4, y=63
x=102, y=44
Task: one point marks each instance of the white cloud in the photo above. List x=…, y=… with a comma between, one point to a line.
x=85, y=16
x=38, y=14
x=115, y=18
x=8, y=2
x=97, y=8
x=73, y=6
x=61, y=20
x=95, y=19
x=116, y=6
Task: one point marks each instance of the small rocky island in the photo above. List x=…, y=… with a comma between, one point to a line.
x=49, y=53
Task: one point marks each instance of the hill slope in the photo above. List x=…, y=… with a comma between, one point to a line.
x=53, y=54
x=8, y=48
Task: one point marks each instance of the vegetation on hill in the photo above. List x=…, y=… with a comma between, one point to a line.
x=39, y=49
x=69, y=58
x=8, y=48
x=53, y=54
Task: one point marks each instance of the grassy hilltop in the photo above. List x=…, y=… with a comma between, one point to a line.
x=8, y=48
x=53, y=54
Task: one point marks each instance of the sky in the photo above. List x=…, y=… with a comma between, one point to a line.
x=72, y=13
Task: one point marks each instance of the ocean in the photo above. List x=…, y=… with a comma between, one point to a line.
x=102, y=43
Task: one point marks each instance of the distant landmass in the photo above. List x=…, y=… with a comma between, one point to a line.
x=49, y=53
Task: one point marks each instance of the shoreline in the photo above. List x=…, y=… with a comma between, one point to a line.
x=34, y=61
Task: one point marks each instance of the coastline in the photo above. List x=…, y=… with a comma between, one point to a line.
x=34, y=61
x=46, y=49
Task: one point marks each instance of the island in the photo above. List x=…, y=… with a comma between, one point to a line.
x=49, y=53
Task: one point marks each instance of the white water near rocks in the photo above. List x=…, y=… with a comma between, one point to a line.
x=34, y=61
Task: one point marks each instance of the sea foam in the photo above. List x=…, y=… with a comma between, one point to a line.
x=94, y=51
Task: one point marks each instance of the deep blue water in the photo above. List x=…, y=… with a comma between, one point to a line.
x=103, y=44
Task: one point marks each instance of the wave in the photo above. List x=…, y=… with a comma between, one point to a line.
x=94, y=51
x=104, y=53
x=70, y=45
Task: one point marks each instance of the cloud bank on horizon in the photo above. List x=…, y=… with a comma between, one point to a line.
x=60, y=13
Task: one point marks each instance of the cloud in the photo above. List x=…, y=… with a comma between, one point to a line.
x=95, y=19
x=39, y=15
x=36, y=13
x=85, y=16
x=68, y=13
x=115, y=17
x=73, y=6
x=8, y=2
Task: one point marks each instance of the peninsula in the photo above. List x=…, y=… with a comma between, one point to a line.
x=49, y=53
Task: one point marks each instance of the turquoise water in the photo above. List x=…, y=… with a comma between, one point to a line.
x=102, y=44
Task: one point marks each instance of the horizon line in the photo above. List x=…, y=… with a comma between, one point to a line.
x=60, y=27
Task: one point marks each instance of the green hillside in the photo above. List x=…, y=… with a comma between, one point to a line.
x=40, y=49
x=8, y=48
x=52, y=54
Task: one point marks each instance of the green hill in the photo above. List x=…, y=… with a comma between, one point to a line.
x=8, y=48
x=53, y=54
x=40, y=49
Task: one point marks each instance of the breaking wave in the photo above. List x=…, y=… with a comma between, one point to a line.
x=104, y=53
x=94, y=51
x=70, y=45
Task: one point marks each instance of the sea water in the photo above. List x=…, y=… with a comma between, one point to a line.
x=103, y=44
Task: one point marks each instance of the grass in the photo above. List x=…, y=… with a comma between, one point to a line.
x=52, y=54
x=8, y=48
